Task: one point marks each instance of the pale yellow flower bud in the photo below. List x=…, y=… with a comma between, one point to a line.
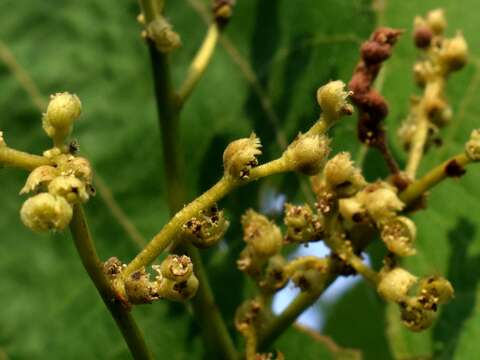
x=436, y=21
x=399, y=235
x=206, y=229
x=436, y=289
x=45, y=211
x=176, y=268
x=307, y=153
x=454, y=53
x=41, y=175
x=380, y=200
x=63, y=109
x=395, y=284
x=240, y=156
x=261, y=235
x=70, y=188
x=342, y=176
x=332, y=98
x=160, y=31
x=178, y=291
x=472, y=147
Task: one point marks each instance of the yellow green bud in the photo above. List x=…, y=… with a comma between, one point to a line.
x=45, y=212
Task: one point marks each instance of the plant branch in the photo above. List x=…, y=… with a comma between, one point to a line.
x=200, y=62
x=15, y=158
x=432, y=178
x=94, y=267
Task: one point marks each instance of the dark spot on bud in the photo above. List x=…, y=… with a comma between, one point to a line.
x=136, y=275
x=454, y=169
x=422, y=37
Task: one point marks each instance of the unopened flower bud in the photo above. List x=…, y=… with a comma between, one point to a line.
x=380, y=200
x=415, y=317
x=422, y=36
x=399, y=235
x=262, y=235
x=63, y=109
x=2, y=141
x=395, y=284
x=275, y=276
x=307, y=153
x=302, y=224
x=178, y=290
x=45, y=211
x=332, y=98
x=175, y=267
x=160, y=31
x=436, y=289
x=472, y=147
x=240, y=156
x=436, y=21
x=77, y=166
x=351, y=209
x=454, y=53
x=70, y=188
x=342, y=176
x=206, y=229
x=41, y=175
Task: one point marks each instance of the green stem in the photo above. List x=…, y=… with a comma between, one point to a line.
x=432, y=178
x=94, y=267
x=14, y=158
x=214, y=329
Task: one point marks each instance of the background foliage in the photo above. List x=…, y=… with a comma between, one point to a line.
x=263, y=77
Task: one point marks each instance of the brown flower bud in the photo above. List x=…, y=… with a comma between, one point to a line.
x=422, y=36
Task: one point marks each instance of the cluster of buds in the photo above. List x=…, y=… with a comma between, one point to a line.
x=264, y=240
x=64, y=183
x=174, y=281
x=442, y=56
x=205, y=229
x=417, y=311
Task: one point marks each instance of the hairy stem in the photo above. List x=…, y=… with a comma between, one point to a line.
x=15, y=158
x=94, y=267
x=200, y=62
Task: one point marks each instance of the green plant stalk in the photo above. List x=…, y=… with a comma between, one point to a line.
x=215, y=334
x=94, y=267
x=432, y=178
x=15, y=158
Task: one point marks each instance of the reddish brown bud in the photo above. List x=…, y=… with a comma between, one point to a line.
x=422, y=36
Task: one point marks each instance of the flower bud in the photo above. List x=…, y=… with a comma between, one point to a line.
x=178, y=290
x=262, y=235
x=302, y=225
x=422, y=36
x=2, y=141
x=472, y=147
x=240, y=156
x=436, y=21
x=77, y=166
x=436, y=290
x=275, y=276
x=206, y=229
x=395, y=284
x=399, y=235
x=381, y=201
x=351, y=209
x=342, y=176
x=454, y=53
x=307, y=153
x=415, y=317
x=332, y=98
x=160, y=31
x=139, y=289
x=45, y=211
x=176, y=268
x=63, y=109
x=41, y=175
x=70, y=188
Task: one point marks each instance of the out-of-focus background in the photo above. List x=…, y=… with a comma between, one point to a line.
x=264, y=75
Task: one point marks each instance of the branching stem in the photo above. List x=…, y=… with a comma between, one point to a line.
x=92, y=264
